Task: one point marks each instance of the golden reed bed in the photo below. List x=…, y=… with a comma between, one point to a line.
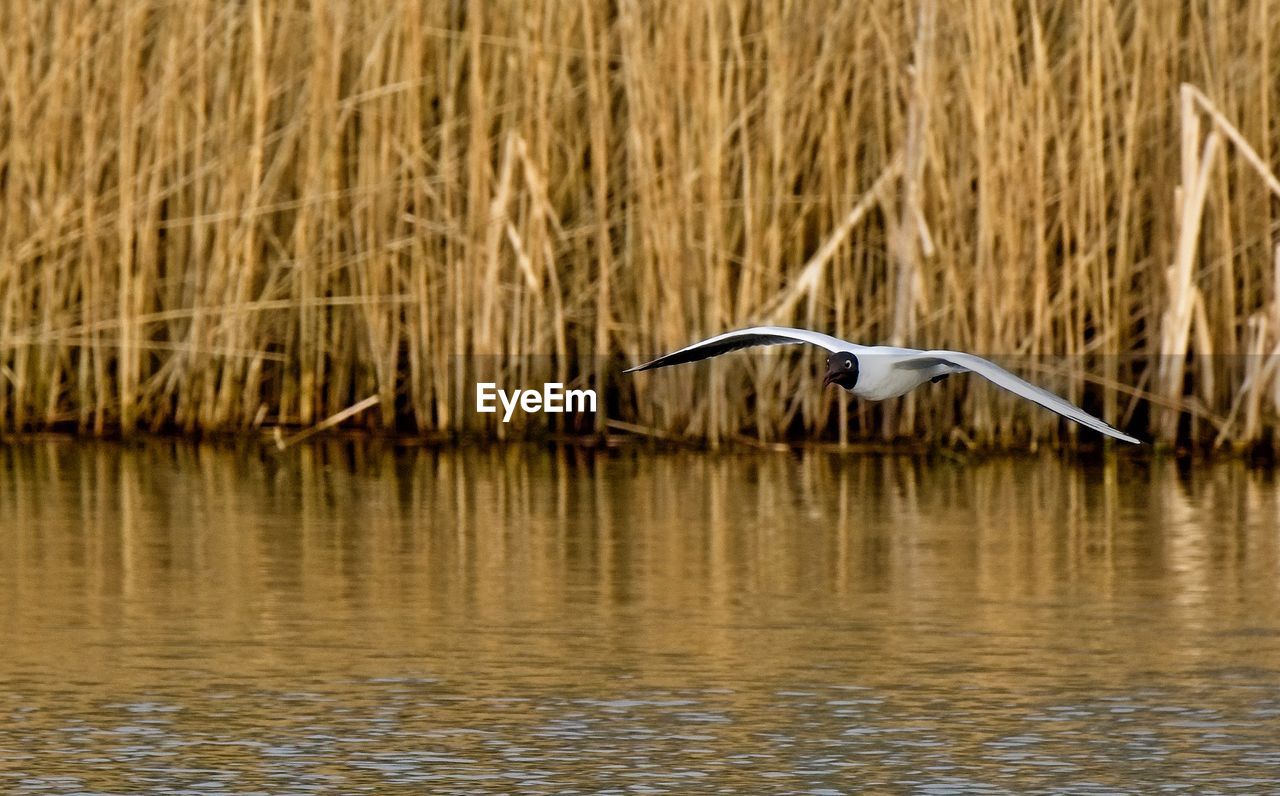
x=220, y=216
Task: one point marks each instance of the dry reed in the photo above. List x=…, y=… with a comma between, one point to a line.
x=223, y=216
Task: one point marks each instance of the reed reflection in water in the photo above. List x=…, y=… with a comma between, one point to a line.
x=339, y=618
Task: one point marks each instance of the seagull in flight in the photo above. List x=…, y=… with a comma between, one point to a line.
x=879, y=372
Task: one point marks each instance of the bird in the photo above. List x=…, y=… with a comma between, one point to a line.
x=878, y=372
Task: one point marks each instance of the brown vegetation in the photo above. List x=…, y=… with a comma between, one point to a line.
x=219, y=216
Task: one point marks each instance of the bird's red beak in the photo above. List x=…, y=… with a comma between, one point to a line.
x=828, y=379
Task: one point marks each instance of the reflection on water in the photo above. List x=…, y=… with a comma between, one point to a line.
x=337, y=619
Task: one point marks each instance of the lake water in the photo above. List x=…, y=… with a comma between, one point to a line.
x=346, y=619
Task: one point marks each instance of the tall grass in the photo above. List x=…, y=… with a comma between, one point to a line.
x=224, y=216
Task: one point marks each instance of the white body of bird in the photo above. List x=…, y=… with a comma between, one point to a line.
x=880, y=375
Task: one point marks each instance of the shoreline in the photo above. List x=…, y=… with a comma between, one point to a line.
x=270, y=439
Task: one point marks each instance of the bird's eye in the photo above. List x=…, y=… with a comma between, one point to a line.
x=848, y=363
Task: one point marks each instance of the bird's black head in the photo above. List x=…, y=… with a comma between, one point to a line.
x=842, y=370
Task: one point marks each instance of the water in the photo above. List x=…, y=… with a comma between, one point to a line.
x=344, y=619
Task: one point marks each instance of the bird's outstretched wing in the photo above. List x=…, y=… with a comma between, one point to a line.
x=746, y=338
x=1000, y=377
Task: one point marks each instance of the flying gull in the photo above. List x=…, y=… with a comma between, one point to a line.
x=879, y=372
